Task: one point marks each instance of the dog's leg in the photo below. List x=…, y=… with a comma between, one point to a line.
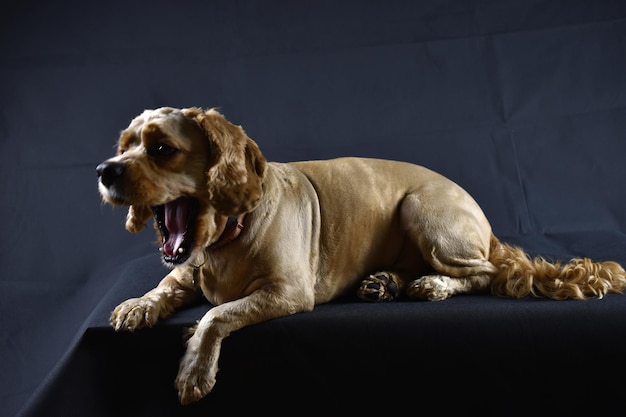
x=174, y=291
x=380, y=286
x=454, y=239
x=199, y=365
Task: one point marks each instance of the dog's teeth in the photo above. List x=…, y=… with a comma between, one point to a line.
x=161, y=250
x=181, y=250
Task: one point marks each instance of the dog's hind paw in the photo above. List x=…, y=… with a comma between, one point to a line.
x=430, y=287
x=381, y=286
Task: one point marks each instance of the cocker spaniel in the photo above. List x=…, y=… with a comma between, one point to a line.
x=261, y=240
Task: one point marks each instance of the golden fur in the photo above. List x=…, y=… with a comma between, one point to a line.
x=312, y=231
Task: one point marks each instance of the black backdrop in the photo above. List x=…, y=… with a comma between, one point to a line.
x=520, y=101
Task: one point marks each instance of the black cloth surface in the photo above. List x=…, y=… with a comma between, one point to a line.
x=521, y=102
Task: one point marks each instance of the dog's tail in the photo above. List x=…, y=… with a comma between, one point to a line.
x=519, y=275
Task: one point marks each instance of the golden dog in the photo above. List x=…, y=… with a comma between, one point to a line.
x=263, y=240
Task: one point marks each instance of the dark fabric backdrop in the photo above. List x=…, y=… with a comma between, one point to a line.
x=522, y=102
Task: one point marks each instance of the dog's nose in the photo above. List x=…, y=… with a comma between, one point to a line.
x=109, y=172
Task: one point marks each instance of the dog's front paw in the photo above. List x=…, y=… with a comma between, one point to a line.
x=135, y=313
x=195, y=379
x=430, y=287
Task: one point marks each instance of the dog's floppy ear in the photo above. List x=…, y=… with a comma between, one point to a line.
x=137, y=217
x=237, y=169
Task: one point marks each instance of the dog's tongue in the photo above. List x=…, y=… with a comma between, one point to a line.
x=176, y=214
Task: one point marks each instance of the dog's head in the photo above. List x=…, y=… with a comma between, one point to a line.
x=187, y=168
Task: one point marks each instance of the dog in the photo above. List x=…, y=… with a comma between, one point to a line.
x=261, y=240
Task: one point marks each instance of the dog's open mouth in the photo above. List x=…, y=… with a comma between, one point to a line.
x=176, y=221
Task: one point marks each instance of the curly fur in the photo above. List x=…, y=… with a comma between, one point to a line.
x=519, y=275
x=234, y=182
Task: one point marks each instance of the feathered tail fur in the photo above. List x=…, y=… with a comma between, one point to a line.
x=519, y=275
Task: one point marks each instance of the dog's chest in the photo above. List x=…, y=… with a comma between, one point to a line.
x=220, y=279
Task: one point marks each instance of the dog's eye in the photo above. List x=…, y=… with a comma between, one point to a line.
x=165, y=149
x=162, y=149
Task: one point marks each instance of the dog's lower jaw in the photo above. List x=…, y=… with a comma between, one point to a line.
x=196, y=259
x=181, y=258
